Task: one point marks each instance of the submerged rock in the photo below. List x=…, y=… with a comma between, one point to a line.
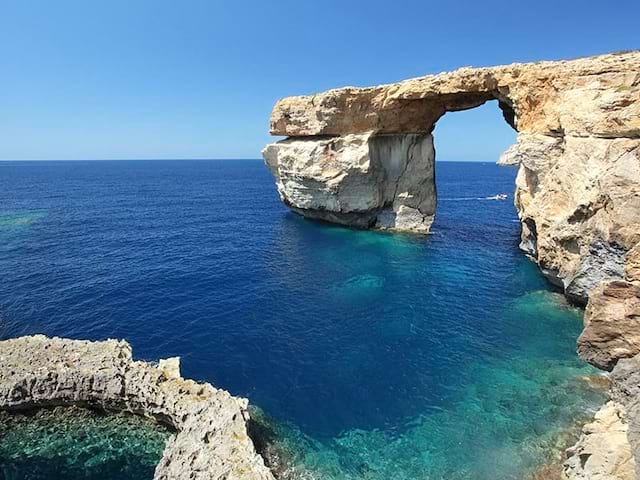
x=79, y=443
x=211, y=425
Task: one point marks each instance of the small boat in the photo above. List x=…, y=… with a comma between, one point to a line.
x=500, y=196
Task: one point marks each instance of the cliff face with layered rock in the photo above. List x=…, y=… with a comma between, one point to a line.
x=609, y=448
x=577, y=189
x=211, y=439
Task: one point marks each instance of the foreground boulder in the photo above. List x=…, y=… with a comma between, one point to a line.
x=211, y=440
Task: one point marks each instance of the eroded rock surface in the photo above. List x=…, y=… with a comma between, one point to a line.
x=595, y=96
x=363, y=180
x=612, y=324
x=578, y=199
x=609, y=447
x=211, y=440
x=603, y=451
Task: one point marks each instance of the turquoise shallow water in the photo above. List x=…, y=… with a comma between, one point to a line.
x=375, y=356
x=511, y=417
x=78, y=443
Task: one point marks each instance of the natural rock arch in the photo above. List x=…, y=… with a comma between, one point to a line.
x=383, y=178
x=364, y=157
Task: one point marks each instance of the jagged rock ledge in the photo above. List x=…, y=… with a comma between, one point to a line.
x=211, y=439
x=609, y=447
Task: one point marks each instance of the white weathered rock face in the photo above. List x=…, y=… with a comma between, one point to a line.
x=364, y=180
x=211, y=440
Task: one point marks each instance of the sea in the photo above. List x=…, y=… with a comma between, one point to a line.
x=365, y=355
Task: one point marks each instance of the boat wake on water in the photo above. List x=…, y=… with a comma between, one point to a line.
x=500, y=196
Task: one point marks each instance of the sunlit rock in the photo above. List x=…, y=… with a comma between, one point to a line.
x=363, y=180
x=211, y=425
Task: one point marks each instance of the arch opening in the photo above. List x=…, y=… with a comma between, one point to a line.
x=478, y=133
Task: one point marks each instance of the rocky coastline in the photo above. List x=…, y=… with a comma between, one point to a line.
x=211, y=437
x=364, y=157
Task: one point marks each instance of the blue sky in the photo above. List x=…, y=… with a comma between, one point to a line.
x=197, y=79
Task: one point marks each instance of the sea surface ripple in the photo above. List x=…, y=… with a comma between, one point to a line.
x=376, y=356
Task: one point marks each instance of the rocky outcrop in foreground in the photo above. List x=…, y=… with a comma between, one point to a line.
x=211, y=440
x=609, y=447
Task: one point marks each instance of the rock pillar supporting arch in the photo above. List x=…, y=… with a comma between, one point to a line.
x=363, y=180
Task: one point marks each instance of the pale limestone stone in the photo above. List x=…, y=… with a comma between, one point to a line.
x=364, y=180
x=603, y=451
x=596, y=96
x=211, y=425
x=170, y=367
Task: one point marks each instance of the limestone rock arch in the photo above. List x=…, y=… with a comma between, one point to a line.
x=364, y=157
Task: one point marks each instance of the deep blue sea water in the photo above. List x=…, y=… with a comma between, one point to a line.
x=378, y=356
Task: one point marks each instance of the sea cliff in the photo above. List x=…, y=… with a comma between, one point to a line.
x=364, y=157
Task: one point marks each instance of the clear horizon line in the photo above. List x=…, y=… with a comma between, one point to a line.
x=180, y=159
